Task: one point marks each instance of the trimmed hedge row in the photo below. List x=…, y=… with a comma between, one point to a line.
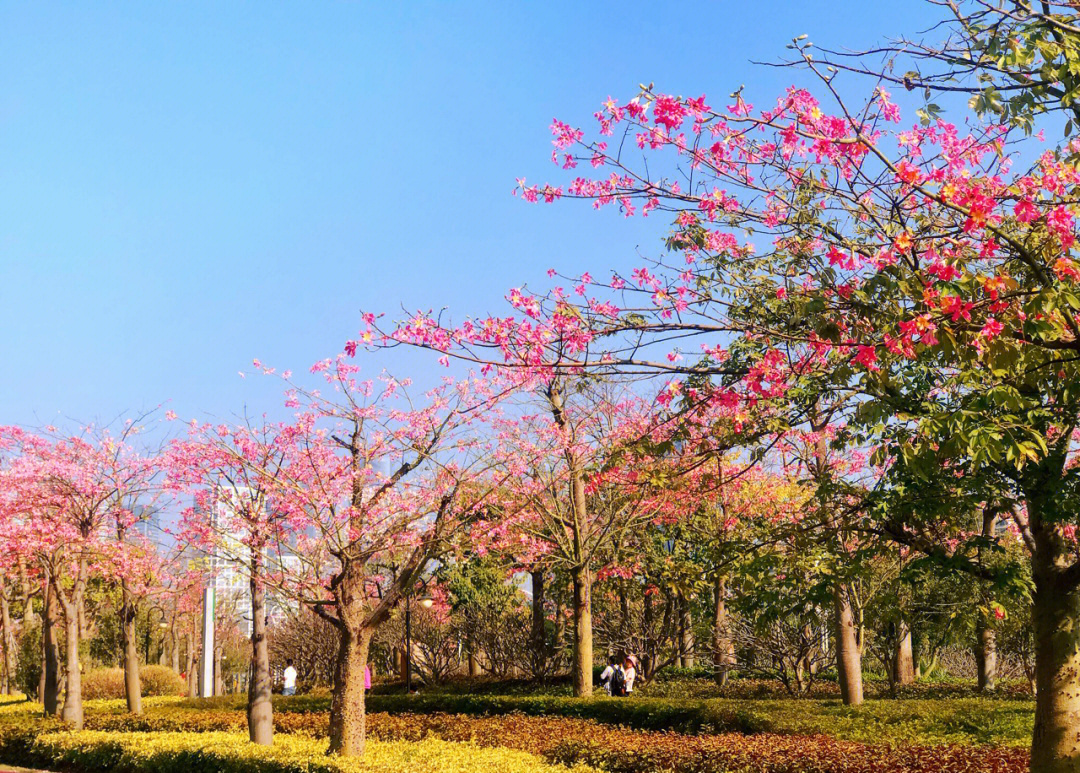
x=639, y=713
x=619, y=750
x=684, y=716
x=924, y=722
x=104, y=752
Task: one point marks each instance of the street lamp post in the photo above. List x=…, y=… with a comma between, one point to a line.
x=426, y=602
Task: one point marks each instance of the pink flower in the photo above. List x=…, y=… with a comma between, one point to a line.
x=1025, y=210
x=992, y=329
x=867, y=357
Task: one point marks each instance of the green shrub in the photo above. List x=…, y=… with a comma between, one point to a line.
x=109, y=682
x=643, y=714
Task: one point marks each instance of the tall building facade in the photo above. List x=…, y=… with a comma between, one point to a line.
x=230, y=566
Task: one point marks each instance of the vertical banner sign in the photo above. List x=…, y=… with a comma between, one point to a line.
x=206, y=683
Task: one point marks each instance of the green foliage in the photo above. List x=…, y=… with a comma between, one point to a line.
x=28, y=668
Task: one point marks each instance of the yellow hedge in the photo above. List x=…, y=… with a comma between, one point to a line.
x=109, y=682
x=93, y=751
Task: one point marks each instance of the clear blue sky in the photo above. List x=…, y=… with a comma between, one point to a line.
x=186, y=186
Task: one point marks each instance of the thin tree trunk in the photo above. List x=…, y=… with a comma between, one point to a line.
x=848, y=658
x=7, y=679
x=260, y=712
x=132, y=684
x=191, y=660
x=174, y=651
x=686, y=632
x=538, y=632
x=723, y=646
x=560, y=630
x=848, y=652
x=348, y=725
x=73, y=708
x=219, y=675
x=50, y=667
x=986, y=657
x=905, y=660
x=648, y=661
x=985, y=640
x=583, y=638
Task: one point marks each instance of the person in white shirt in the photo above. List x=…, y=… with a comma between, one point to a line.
x=629, y=673
x=290, y=678
x=608, y=674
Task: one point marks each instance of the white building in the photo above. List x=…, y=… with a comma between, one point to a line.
x=230, y=563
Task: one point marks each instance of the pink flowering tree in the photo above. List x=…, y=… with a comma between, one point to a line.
x=234, y=473
x=72, y=494
x=17, y=581
x=591, y=470
x=822, y=247
x=374, y=484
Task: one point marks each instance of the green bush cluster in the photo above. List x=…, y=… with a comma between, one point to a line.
x=642, y=714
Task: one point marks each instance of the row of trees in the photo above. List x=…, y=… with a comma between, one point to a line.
x=907, y=293
x=859, y=349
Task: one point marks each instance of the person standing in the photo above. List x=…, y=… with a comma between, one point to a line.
x=290, y=678
x=607, y=676
x=629, y=670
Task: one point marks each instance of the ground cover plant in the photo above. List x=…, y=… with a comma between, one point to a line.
x=967, y=721
x=167, y=737
x=92, y=751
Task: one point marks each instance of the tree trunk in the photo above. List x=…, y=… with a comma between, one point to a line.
x=219, y=674
x=905, y=660
x=648, y=662
x=986, y=656
x=191, y=661
x=848, y=658
x=7, y=679
x=174, y=651
x=132, y=685
x=73, y=708
x=686, y=632
x=260, y=712
x=583, y=639
x=1055, y=744
x=985, y=642
x=50, y=666
x=347, y=719
x=538, y=633
x=560, y=630
x=723, y=646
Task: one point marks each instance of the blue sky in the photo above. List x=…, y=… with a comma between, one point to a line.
x=186, y=186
